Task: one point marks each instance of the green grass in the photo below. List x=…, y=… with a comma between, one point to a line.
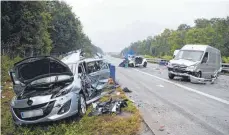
x=95, y=125
x=7, y=64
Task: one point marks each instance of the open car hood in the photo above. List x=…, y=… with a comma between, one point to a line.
x=34, y=68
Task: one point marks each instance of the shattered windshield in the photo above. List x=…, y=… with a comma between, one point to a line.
x=189, y=55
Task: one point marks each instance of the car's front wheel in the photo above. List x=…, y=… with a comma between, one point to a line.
x=171, y=76
x=131, y=65
x=82, y=106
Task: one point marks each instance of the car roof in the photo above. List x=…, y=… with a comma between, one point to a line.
x=197, y=47
x=92, y=59
x=72, y=58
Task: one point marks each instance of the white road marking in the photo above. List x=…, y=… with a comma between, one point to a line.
x=187, y=88
x=160, y=86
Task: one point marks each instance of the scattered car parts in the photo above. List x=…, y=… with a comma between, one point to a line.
x=126, y=90
x=109, y=107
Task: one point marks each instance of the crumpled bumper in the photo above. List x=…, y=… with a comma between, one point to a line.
x=50, y=109
x=194, y=79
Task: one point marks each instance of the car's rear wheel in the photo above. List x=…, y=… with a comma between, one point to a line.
x=82, y=106
x=171, y=76
x=145, y=64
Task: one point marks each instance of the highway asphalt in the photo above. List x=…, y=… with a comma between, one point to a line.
x=176, y=107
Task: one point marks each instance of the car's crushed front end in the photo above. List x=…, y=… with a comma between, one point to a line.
x=44, y=108
x=181, y=70
x=140, y=61
x=188, y=70
x=45, y=91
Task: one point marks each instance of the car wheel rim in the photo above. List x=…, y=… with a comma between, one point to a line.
x=198, y=75
x=83, y=105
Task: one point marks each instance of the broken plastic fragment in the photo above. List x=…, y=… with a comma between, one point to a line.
x=126, y=90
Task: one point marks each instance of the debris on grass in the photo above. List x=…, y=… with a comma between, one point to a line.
x=108, y=107
x=128, y=122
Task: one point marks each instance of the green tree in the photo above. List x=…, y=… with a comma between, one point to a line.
x=214, y=32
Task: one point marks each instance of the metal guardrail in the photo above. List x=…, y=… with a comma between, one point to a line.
x=155, y=60
x=225, y=66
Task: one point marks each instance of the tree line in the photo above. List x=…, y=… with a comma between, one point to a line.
x=214, y=32
x=31, y=28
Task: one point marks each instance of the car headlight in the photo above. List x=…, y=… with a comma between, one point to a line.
x=191, y=68
x=63, y=91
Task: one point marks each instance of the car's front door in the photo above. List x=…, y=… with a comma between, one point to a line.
x=99, y=73
x=205, y=68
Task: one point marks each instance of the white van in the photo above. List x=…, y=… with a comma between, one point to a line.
x=175, y=53
x=198, y=61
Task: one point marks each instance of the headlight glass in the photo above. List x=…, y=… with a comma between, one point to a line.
x=191, y=68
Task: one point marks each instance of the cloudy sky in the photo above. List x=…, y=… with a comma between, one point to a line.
x=114, y=24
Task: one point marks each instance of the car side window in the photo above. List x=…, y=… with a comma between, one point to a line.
x=205, y=58
x=104, y=65
x=91, y=67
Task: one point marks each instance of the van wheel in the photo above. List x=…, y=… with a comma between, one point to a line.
x=145, y=64
x=82, y=106
x=171, y=76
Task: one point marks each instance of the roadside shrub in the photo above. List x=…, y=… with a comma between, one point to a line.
x=167, y=57
x=225, y=59
x=6, y=64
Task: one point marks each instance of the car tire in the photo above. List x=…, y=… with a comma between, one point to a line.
x=171, y=76
x=82, y=106
x=198, y=74
x=131, y=65
x=145, y=64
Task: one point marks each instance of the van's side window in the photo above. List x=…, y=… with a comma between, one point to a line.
x=205, y=59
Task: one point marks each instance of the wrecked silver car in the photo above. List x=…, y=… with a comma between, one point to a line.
x=134, y=61
x=48, y=89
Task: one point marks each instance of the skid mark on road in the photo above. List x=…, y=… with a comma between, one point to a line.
x=187, y=88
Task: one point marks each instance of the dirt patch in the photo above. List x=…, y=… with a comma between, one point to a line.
x=125, y=115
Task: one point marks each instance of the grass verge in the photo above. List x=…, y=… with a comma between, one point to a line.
x=95, y=125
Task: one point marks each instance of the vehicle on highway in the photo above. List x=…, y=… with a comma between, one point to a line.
x=48, y=89
x=175, y=53
x=134, y=61
x=195, y=62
